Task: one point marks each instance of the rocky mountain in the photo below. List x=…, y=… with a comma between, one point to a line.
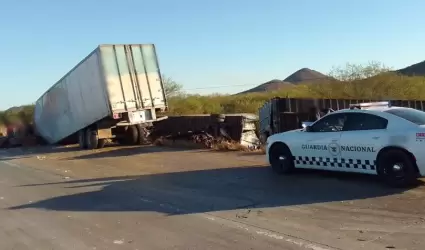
x=299, y=76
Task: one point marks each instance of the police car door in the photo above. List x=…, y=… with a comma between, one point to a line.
x=319, y=147
x=362, y=138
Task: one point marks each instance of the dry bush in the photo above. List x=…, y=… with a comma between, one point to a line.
x=177, y=143
x=229, y=146
x=218, y=146
x=353, y=81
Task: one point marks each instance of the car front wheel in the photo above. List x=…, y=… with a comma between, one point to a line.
x=281, y=159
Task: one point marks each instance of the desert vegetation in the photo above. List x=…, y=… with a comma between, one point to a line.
x=351, y=81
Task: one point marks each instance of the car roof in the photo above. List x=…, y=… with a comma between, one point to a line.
x=379, y=111
x=368, y=110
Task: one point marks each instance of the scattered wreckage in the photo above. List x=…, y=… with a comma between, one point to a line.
x=210, y=129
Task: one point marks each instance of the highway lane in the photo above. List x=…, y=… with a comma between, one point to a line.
x=34, y=228
x=158, y=198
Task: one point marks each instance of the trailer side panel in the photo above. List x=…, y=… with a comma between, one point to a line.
x=74, y=102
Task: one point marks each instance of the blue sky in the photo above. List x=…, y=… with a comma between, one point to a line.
x=207, y=44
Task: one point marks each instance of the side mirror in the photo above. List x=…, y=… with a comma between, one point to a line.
x=308, y=129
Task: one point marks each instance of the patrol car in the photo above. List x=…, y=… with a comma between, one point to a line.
x=370, y=138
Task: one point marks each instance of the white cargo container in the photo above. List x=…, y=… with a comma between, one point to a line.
x=114, y=93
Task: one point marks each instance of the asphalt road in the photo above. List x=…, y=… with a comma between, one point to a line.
x=159, y=198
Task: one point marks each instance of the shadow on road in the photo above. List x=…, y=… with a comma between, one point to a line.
x=28, y=151
x=9, y=158
x=210, y=190
x=108, y=151
x=127, y=151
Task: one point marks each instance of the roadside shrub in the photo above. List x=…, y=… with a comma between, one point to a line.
x=383, y=86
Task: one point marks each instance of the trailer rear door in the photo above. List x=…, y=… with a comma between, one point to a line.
x=133, y=77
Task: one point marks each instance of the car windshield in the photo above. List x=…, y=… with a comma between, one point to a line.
x=412, y=115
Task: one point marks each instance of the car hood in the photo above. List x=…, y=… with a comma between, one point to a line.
x=277, y=136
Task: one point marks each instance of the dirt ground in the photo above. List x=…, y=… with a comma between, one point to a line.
x=234, y=190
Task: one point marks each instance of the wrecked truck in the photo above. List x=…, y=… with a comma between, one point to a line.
x=115, y=93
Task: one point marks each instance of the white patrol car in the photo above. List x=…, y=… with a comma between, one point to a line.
x=370, y=138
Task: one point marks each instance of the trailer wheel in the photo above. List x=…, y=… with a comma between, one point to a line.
x=101, y=143
x=82, y=139
x=91, y=139
x=142, y=135
x=132, y=135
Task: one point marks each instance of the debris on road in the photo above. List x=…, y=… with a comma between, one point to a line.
x=209, y=130
x=119, y=242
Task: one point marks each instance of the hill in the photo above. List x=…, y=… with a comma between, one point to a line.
x=14, y=109
x=274, y=84
x=299, y=76
x=306, y=75
x=417, y=69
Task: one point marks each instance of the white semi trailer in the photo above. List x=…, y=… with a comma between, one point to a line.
x=114, y=93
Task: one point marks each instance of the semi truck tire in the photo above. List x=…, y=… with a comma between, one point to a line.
x=101, y=143
x=82, y=139
x=132, y=135
x=92, y=139
x=142, y=136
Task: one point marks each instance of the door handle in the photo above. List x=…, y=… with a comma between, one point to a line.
x=375, y=137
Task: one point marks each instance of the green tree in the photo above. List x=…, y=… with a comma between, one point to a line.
x=354, y=72
x=171, y=87
x=369, y=81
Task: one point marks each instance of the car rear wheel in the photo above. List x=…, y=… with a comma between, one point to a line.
x=281, y=159
x=396, y=169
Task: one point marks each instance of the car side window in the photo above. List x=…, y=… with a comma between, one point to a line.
x=330, y=123
x=363, y=121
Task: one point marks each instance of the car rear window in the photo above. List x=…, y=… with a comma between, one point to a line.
x=412, y=115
